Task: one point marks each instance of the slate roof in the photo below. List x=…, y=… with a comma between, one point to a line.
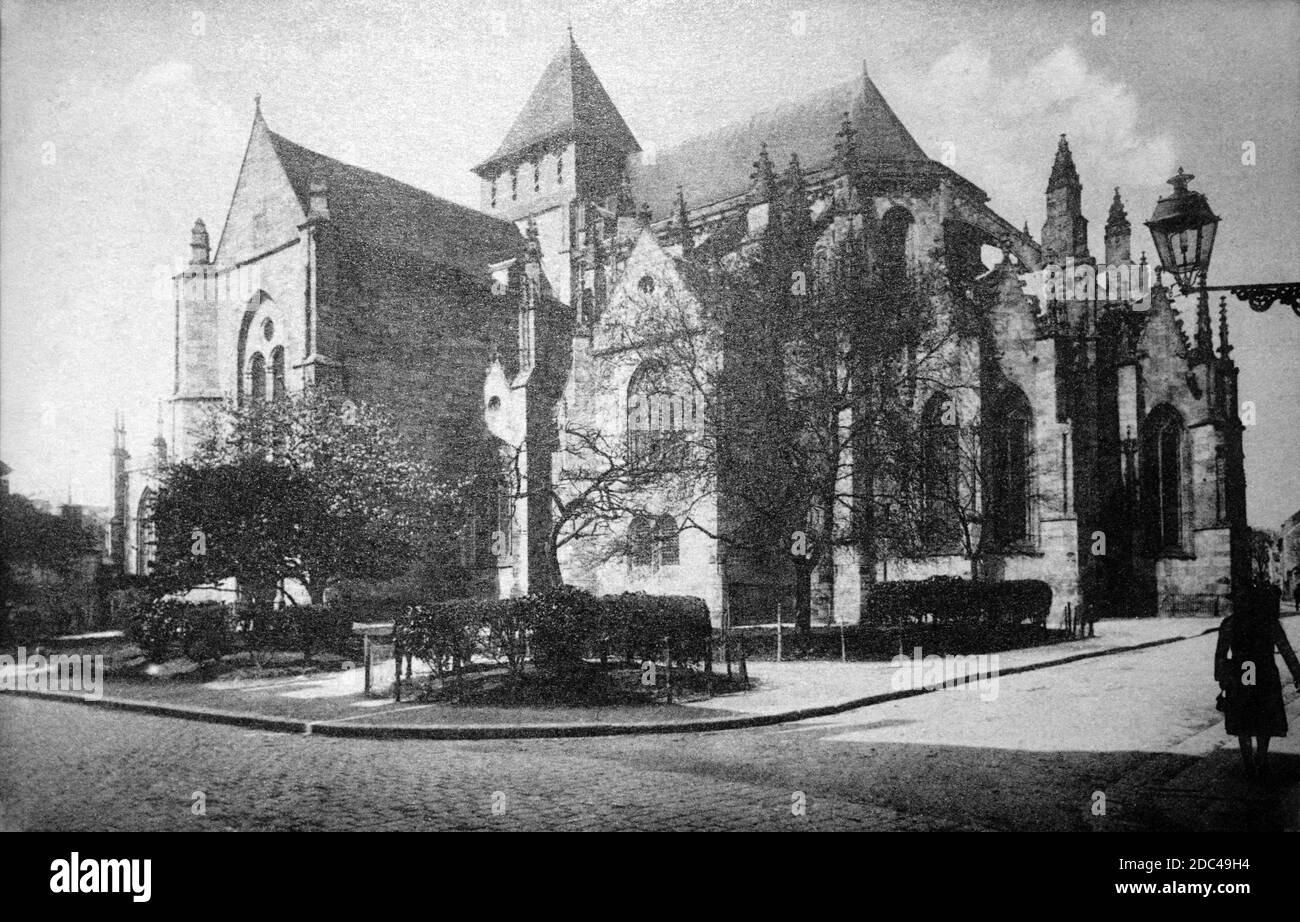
x=717, y=165
x=568, y=101
x=377, y=210
x=1063, y=171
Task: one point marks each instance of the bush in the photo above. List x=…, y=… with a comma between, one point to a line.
x=319, y=629
x=154, y=626
x=961, y=603
x=644, y=623
x=563, y=622
x=561, y=627
x=440, y=634
x=25, y=626
x=206, y=629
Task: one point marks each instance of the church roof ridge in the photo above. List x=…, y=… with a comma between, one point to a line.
x=715, y=165
x=374, y=207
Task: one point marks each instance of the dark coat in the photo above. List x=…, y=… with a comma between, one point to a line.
x=1253, y=710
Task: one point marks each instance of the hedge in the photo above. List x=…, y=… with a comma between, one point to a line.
x=960, y=602
x=559, y=628
x=209, y=630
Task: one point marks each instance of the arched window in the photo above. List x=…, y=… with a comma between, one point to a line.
x=667, y=542
x=939, y=468
x=277, y=373
x=505, y=500
x=1010, y=430
x=1162, y=478
x=146, y=538
x=261, y=349
x=640, y=541
x=257, y=377
x=659, y=415
x=894, y=246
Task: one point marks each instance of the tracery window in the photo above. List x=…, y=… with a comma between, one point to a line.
x=660, y=415
x=939, y=474
x=1011, y=452
x=1164, y=436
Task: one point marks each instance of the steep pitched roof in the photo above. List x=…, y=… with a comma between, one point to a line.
x=717, y=165
x=568, y=100
x=377, y=210
x=1063, y=171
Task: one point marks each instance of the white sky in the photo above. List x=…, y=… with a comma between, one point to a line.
x=147, y=107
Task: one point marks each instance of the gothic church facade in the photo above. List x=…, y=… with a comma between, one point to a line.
x=1112, y=421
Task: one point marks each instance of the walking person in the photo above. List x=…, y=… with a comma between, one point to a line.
x=1245, y=668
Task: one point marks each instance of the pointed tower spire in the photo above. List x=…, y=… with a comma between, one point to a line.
x=846, y=145
x=1063, y=170
x=1118, y=234
x=1065, y=232
x=1117, y=215
x=763, y=179
x=682, y=224
x=625, y=204
x=1225, y=347
x=568, y=103
x=1204, y=334
x=200, y=251
x=159, y=441
x=795, y=210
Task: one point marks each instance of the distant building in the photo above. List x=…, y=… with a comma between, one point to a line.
x=1289, y=554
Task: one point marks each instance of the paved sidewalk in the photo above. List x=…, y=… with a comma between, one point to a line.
x=334, y=703
x=817, y=683
x=1200, y=785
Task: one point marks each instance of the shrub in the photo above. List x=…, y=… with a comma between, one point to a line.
x=648, y=622
x=506, y=636
x=563, y=622
x=26, y=626
x=206, y=629
x=560, y=626
x=961, y=603
x=317, y=629
x=153, y=626
x=440, y=633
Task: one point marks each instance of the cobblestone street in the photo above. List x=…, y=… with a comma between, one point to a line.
x=1139, y=727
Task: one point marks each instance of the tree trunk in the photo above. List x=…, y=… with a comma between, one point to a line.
x=803, y=573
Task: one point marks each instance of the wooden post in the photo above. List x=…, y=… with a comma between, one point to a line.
x=366, y=655
x=668, y=668
x=778, y=632
x=708, y=664
x=844, y=655
x=744, y=664
x=397, y=670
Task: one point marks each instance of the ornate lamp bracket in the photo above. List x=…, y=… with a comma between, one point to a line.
x=1262, y=297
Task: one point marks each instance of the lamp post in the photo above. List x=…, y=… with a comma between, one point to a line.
x=1183, y=227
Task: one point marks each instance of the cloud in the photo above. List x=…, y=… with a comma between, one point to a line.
x=1002, y=124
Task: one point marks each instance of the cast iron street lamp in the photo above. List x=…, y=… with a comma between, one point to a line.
x=1183, y=228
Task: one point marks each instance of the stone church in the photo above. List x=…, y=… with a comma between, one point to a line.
x=1107, y=451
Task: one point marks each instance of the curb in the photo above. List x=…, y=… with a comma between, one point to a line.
x=159, y=709
x=351, y=730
